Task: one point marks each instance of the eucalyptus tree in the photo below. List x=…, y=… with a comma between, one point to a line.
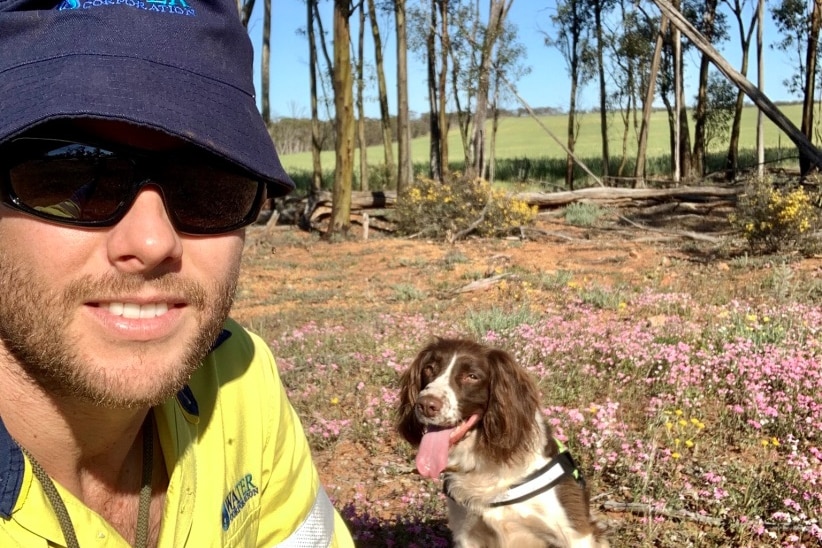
x=360, y=98
x=463, y=53
x=792, y=21
x=320, y=79
x=599, y=10
x=507, y=66
x=441, y=33
x=713, y=26
x=265, y=64
x=382, y=88
x=497, y=11
x=316, y=145
x=671, y=88
x=798, y=22
x=343, y=120
x=573, y=40
x=404, y=167
x=632, y=51
x=745, y=36
x=649, y=90
x=431, y=36
x=811, y=63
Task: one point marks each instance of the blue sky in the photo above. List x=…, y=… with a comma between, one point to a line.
x=546, y=86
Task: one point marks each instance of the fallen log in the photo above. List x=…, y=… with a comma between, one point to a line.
x=694, y=199
x=388, y=198
x=362, y=200
x=611, y=194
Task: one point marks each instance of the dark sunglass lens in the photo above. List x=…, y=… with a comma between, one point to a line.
x=208, y=200
x=70, y=181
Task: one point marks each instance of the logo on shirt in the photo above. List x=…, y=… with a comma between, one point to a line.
x=177, y=7
x=242, y=492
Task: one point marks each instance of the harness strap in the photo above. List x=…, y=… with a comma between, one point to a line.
x=539, y=481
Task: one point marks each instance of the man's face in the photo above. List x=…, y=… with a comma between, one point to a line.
x=117, y=316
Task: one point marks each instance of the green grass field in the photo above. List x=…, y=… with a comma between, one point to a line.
x=522, y=137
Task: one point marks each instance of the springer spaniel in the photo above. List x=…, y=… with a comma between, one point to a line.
x=474, y=414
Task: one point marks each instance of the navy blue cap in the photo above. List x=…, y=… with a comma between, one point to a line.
x=183, y=67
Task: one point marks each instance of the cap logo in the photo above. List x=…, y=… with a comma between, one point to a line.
x=177, y=7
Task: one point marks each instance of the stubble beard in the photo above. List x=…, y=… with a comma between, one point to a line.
x=34, y=331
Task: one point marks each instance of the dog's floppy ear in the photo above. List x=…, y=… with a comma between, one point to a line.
x=513, y=403
x=407, y=424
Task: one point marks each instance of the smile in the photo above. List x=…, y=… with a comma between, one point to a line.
x=137, y=311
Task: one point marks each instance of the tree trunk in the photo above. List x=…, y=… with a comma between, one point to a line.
x=316, y=148
x=603, y=94
x=700, y=119
x=684, y=142
x=434, y=143
x=760, y=62
x=344, y=120
x=492, y=147
x=265, y=79
x=245, y=9
x=701, y=110
x=745, y=36
x=385, y=114
x=361, y=139
x=647, y=106
x=405, y=172
x=496, y=18
x=445, y=46
x=571, y=134
x=678, y=152
x=806, y=163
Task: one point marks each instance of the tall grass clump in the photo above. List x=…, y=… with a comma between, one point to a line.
x=583, y=214
x=777, y=219
x=497, y=320
x=460, y=204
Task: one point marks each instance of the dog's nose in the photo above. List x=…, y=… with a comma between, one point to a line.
x=429, y=406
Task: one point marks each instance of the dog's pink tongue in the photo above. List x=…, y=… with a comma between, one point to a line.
x=432, y=457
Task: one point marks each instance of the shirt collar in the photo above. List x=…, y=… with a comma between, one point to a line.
x=12, y=466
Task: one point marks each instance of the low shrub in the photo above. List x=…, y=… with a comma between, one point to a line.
x=460, y=205
x=777, y=219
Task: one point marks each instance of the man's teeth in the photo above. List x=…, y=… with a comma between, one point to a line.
x=138, y=311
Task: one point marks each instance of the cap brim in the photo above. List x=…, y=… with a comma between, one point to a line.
x=210, y=114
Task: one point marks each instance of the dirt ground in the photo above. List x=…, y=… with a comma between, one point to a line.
x=677, y=252
x=687, y=254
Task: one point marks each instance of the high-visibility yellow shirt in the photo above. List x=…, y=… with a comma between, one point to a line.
x=240, y=469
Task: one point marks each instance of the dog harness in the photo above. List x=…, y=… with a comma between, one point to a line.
x=539, y=481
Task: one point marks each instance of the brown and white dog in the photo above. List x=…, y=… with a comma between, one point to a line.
x=474, y=414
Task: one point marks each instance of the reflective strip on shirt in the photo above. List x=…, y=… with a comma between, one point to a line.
x=318, y=527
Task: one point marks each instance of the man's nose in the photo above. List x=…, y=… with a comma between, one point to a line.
x=145, y=237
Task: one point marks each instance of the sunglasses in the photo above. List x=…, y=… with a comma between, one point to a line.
x=86, y=185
